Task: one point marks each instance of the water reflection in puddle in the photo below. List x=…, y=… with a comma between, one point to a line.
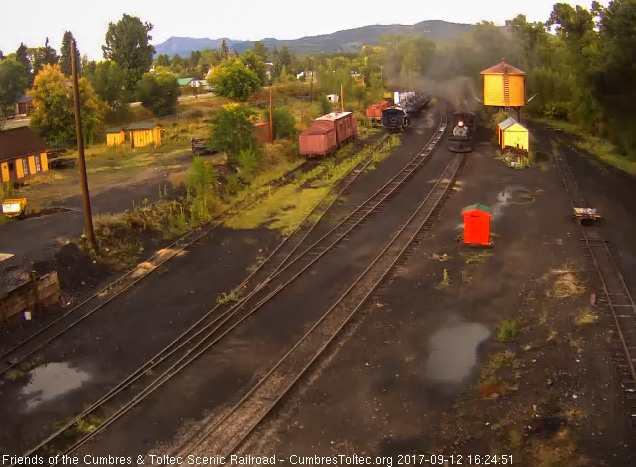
x=453, y=351
x=50, y=381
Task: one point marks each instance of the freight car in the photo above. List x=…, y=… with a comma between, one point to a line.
x=374, y=111
x=328, y=133
x=463, y=128
x=395, y=119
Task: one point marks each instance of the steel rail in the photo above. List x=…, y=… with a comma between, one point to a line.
x=241, y=420
x=421, y=157
x=323, y=205
x=569, y=180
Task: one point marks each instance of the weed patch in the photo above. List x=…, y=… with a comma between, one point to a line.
x=508, y=329
x=479, y=257
x=585, y=317
x=225, y=299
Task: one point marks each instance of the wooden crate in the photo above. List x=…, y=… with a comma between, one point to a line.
x=33, y=295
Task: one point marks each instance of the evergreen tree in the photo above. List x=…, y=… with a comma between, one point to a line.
x=65, y=58
x=21, y=56
x=260, y=50
x=44, y=56
x=224, y=51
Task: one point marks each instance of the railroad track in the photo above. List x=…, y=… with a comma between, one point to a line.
x=232, y=428
x=614, y=295
x=36, y=342
x=283, y=264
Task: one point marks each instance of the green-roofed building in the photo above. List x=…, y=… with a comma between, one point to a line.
x=115, y=136
x=184, y=81
x=144, y=133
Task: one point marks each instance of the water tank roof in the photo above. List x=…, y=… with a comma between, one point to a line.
x=501, y=68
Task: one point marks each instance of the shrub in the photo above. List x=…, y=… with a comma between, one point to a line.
x=284, y=122
x=232, y=130
x=247, y=160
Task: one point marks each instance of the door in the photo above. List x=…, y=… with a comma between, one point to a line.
x=13, y=176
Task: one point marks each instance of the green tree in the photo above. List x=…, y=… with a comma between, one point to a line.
x=195, y=57
x=163, y=60
x=232, y=130
x=260, y=50
x=224, y=51
x=159, y=92
x=282, y=58
x=284, y=122
x=255, y=62
x=44, y=56
x=14, y=80
x=53, y=116
x=232, y=79
x=65, y=54
x=128, y=45
x=21, y=55
x=108, y=81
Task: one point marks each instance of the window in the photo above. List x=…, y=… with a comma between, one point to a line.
x=25, y=166
x=38, y=164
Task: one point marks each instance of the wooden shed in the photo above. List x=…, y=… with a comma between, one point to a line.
x=476, y=224
x=262, y=132
x=115, y=136
x=512, y=134
x=22, y=153
x=144, y=134
x=504, y=86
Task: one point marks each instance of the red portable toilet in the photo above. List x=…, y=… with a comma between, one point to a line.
x=476, y=224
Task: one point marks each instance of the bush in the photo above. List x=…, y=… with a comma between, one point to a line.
x=325, y=105
x=232, y=130
x=247, y=160
x=200, y=182
x=284, y=122
x=232, y=184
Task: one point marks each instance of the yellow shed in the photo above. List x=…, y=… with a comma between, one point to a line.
x=143, y=134
x=512, y=134
x=504, y=86
x=115, y=136
x=22, y=154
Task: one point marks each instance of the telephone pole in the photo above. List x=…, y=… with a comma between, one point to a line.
x=271, y=115
x=88, y=217
x=342, y=97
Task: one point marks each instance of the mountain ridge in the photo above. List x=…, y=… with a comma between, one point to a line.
x=344, y=40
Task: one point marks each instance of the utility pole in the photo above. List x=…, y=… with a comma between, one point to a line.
x=342, y=97
x=88, y=217
x=271, y=115
x=311, y=90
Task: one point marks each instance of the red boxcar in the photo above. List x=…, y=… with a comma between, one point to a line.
x=328, y=133
x=374, y=111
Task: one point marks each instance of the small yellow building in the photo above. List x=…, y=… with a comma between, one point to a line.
x=115, y=136
x=22, y=154
x=512, y=134
x=504, y=86
x=144, y=134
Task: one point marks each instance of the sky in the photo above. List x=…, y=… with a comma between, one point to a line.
x=31, y=22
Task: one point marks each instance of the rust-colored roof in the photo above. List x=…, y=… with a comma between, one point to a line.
x=20, y=142
x=501, y=68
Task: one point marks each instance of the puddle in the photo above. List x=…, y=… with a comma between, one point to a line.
x=453, y=351
x=511, y=195
x=49, y=381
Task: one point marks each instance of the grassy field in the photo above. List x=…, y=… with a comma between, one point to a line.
x=600, y=148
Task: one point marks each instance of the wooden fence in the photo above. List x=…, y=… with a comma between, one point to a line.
x=31, y=296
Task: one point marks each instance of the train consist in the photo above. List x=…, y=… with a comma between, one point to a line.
x=411, y=102
x=374, y=111
x=328, y=133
